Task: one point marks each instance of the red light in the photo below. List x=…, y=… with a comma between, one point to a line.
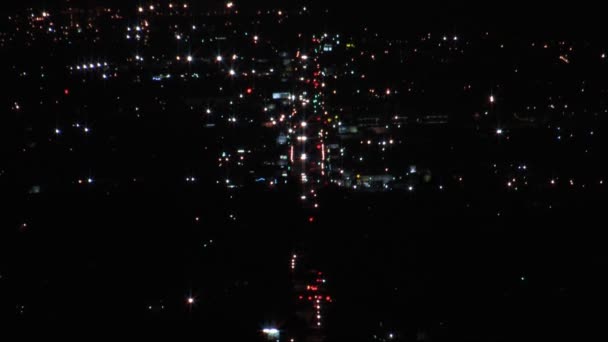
x=318, y=147
x=311, y=219
x=66, y=92
x=301, y=297
x=309, y=298
x=328, y=298
x=249, y=90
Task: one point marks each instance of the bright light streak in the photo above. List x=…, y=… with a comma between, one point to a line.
x=323, y=151
x=270, y=331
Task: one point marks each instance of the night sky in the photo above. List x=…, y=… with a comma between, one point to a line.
x=304, y=171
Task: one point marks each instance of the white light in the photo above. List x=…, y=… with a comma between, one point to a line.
x=303, y=156
x=189, y=58
x=57, y=131
x=218, y=58
x=86, y=129
x=492, y=99
x=141, y=9
x=271, y=331
x=304, y=123
x=190, y=300
x=234, y=57
x=410, y=188
x=230, y=4
x=151, y=7
x=304, y=57
x=90, y=180
x=232, y=72
x=499, y=131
